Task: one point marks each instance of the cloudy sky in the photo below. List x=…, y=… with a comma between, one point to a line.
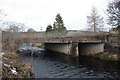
x=39, y=13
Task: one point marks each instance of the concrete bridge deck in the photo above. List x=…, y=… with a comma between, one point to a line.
x=68, y=43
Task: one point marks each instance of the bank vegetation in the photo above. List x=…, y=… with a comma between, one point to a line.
x=13, y=67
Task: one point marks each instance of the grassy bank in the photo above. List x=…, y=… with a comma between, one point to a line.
x=108, y=56
x=13, y=67
x=105, y=56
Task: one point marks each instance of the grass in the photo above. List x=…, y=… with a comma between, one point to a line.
x=105, y=56
x=108, y=56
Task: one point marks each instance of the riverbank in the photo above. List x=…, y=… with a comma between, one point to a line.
x=106, y=56
x=13, y=67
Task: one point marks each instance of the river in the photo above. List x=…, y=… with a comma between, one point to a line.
x=48, y=64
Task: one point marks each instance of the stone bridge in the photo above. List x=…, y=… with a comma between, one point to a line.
x=70, y=43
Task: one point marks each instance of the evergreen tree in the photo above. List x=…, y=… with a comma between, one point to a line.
x=49, y=28
x=59, y=24
x=54, y=27
x=31, y=30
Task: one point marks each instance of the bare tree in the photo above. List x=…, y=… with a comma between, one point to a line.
x=114, y=17
x=95, y=21
x=12, y=33
x=15, y=27
x=114, y=13
x=9, y=34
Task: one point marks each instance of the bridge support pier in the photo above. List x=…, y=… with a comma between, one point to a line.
x=66, y=48
x=74, y=49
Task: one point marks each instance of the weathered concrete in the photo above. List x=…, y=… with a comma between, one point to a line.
x=59, y=47
x=74, y=49
x=63, y=43
x=91, y=48
x=66, y=48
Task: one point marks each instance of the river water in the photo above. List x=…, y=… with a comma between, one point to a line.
x=48, y=64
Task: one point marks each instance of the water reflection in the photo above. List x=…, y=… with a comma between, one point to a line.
x=104, y=67
x=54, y=65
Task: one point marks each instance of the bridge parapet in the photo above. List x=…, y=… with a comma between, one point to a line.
x=14, y=38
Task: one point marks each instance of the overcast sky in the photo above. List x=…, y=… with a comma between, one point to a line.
x=40, y=13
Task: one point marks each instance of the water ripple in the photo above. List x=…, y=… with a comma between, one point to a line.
x=45, y=66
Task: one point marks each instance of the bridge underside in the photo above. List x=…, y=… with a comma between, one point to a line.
x=75, y=49
x=59, y=47
x=90, y=48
